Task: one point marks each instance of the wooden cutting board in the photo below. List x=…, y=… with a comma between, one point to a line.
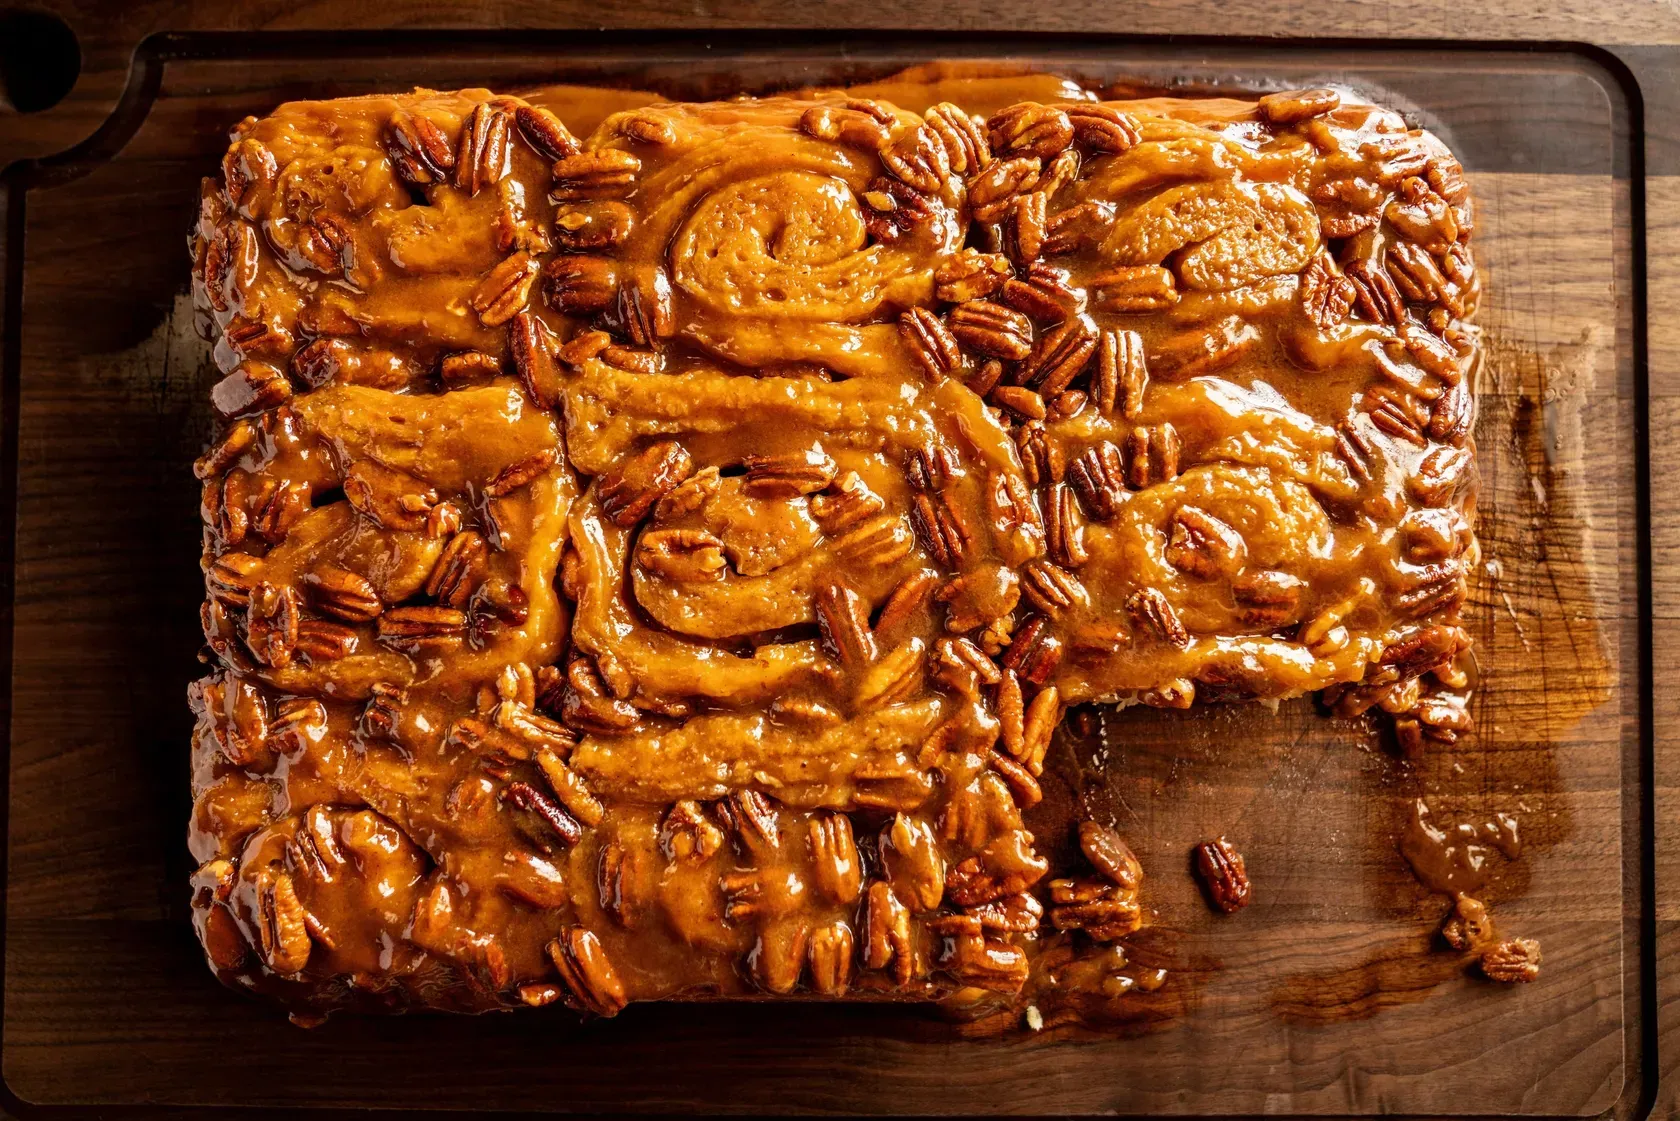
x=1325, y=997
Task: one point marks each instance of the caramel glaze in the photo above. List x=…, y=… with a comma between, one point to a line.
x=654, y=566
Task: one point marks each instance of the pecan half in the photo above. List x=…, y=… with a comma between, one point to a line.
x=1152, y=453
x=409, y=625
x=1064, y=531
x=843, y=620
x=967, y=148
x=342, y=594
x=887, y=940
x=892, y=208
x=505, y=291
x=419, y=150
x=1223, y=874
x=282, y=924
x=1151, y=611
x=602, y=173
x=1030, y=129
x=930, y=342
x=1051, y=588
x=580, y=285
x=918, y=159
x=752, y=817
x=1298, y=105
x=1513, y=961
x=991, y=192
x=271, y=624
x=1269, y=598
x=1110, y=855
x=1099, y=475
x=859, y=123
x=831, y=952
x=1102, y=128
x=1104, y=910
x=1135, y=288
x=587, y=226
x=972, y=275
x=1061, y=354
x=1122, y=374
x=1326, y=295
x=835, y=864
x=481, y=160
x=1201, y=545
x=255, y=387
x=627, y=494
x=682, y=555
x=787, y=475
x=991, y=329
x=545, y=133
x=568, y=786
x=590, y=978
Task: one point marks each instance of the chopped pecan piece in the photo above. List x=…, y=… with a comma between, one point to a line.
x=1469, y=926
x=688, y=835
x=1224, y=874
x=527, y=797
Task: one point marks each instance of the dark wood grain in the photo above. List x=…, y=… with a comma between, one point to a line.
x=1322, y=998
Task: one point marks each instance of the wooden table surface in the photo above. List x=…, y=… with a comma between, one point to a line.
x=1643, y=34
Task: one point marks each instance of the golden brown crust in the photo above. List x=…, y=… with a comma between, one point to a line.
x=657, y=563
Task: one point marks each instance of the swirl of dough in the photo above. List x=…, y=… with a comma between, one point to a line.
x=1224, y=235
x=792, y=244
x=768, y=234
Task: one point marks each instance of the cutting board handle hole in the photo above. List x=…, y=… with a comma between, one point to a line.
x=39, y=59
